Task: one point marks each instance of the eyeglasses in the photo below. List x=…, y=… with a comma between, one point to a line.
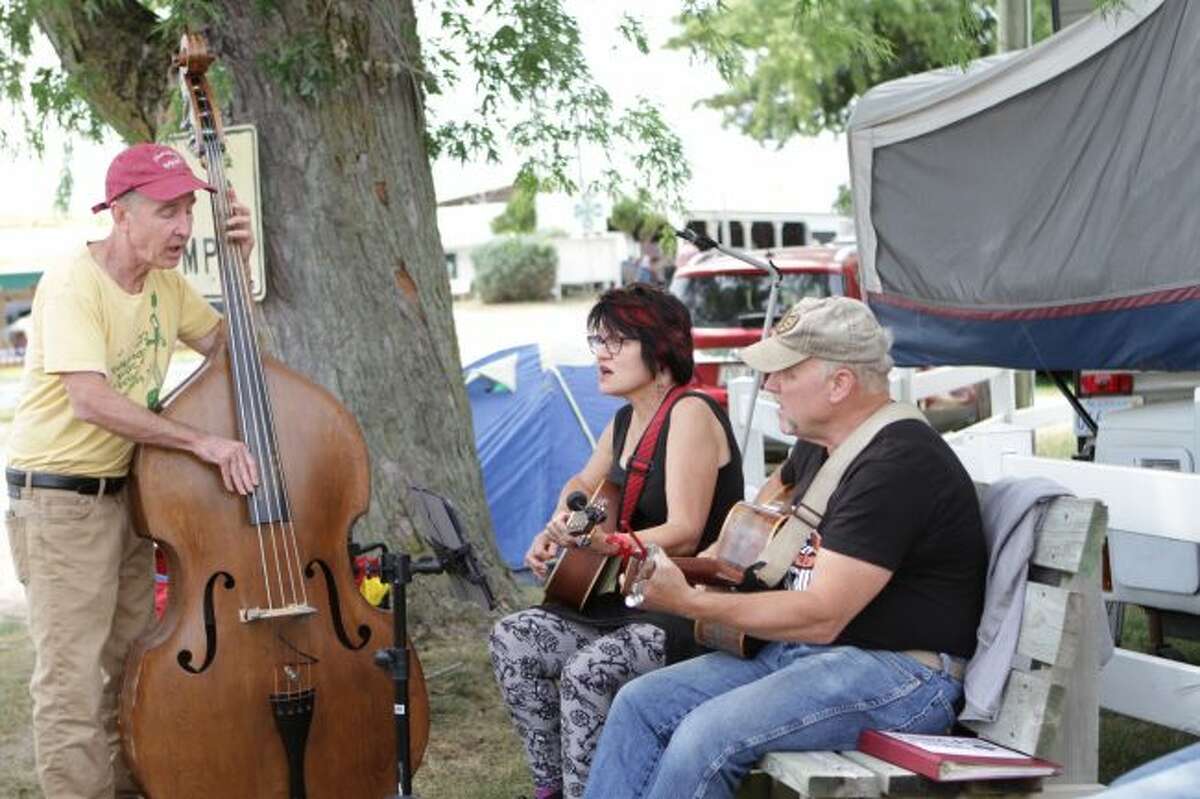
x=611, y=344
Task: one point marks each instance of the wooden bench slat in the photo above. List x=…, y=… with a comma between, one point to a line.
x=1070, y=529
x=894, y=780
x=1050, y=625
x=821, y=774
x=1030, y=712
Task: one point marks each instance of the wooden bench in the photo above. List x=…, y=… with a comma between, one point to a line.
x=1050, y=705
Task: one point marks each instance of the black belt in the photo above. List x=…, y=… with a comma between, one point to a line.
x=64, y=482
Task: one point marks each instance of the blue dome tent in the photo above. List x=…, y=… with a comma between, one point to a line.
x=535, y=426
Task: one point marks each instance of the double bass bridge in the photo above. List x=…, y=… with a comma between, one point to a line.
x=266, y=614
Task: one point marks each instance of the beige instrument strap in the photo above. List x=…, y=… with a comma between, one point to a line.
x=806, y=515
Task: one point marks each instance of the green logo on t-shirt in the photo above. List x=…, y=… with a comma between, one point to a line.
x=132, y=370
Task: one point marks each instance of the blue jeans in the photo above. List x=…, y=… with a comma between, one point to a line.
x=695, y=729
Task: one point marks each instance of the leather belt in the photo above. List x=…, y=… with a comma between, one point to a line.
x=954, y=666
x=64, y=482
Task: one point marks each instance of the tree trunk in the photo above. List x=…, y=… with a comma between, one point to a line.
x=358, y=296
x=119, y=56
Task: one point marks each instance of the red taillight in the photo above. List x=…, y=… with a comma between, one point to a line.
x=1093, y=383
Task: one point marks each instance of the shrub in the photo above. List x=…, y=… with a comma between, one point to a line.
x=513, y=269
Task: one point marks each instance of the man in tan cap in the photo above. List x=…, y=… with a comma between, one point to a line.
x=879, y=636
x=103, y=330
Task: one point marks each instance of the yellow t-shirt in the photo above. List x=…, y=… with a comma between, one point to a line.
x=82, y=321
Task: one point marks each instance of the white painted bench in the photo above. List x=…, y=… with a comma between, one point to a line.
x=1050, y=706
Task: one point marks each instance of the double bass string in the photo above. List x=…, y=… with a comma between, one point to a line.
x=251, y=382
x=238, y=346
x=261, y=420
x=241, y=354
x=195, y=94
x=274, y=478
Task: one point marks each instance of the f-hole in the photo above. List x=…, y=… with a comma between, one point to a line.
x=335, y=607
x=184, y=658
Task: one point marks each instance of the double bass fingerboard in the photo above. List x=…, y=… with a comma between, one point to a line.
x=256, y=424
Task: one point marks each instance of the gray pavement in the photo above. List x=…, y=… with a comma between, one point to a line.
x=558, y=327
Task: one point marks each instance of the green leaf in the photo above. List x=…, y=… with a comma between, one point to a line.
x=794, y=67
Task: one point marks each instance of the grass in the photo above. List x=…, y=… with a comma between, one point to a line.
x=16, y=743
x=473, y=752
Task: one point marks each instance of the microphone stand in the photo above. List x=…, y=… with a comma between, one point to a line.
x=397, y=568
x=452, y=555
x=703, y=244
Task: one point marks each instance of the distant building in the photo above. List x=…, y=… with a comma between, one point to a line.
x=590, y=254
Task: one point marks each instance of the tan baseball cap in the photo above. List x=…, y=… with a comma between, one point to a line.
x=838, y=329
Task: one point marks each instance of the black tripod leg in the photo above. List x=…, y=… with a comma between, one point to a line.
x=395, y=660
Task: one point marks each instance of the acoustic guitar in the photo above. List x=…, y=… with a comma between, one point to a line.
x=747, y=529
x=581, y=573
x=744, y=536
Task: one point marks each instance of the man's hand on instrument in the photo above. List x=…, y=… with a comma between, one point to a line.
x=240, y=230
x=238, y=468
x=541, y=550
x=666, y=587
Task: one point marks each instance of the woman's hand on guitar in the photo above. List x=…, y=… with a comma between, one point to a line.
x=600, y=544
x=541, y=551
x=556, y=529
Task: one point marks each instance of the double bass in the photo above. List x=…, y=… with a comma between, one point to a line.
x=259, y=681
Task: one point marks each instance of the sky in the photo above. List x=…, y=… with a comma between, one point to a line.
x=731, y=172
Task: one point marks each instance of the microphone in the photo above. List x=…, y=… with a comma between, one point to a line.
x=577, y=500
x=702, y=242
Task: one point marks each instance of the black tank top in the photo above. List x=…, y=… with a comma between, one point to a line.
x=607, y=611
x=651, y=508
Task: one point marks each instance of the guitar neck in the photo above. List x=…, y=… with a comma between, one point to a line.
x=710, y=571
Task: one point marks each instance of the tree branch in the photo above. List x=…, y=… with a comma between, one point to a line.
x=118, y=54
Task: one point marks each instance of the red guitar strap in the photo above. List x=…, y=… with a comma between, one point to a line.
x=639, y=462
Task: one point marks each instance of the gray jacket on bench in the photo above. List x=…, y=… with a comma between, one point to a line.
x=1011, y=509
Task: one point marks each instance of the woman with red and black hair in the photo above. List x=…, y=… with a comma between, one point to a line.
x=559, y=668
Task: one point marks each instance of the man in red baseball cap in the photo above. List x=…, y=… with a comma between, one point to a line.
x=102, y=331
x=153, y=170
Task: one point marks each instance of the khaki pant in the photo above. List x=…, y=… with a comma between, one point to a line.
x=90, y=583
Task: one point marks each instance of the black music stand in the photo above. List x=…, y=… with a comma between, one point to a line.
x=452, y=555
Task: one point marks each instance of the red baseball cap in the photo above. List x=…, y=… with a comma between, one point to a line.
x=155, y=170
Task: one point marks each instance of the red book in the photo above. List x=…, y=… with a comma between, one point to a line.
x=950, y=758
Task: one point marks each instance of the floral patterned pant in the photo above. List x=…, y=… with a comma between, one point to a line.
x=558, y=678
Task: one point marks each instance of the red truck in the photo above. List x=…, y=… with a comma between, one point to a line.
x=728, y=301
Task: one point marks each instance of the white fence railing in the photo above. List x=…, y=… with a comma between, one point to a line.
x=1147, y=501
